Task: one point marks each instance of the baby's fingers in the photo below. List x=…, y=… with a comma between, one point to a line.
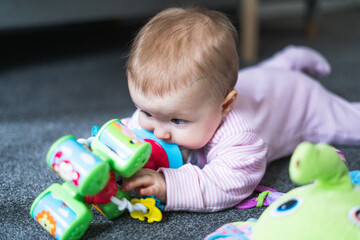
x=150, y=190
x=155, y=191
x=136, y=182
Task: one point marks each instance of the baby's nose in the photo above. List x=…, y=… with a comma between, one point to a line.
x=162, y=134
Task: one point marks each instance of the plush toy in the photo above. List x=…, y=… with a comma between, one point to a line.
x=327, y=207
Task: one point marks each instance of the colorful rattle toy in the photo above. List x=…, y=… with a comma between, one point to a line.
x=90, y=169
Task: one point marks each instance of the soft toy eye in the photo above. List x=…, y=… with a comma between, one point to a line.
x=286, y=208
x=354, y=215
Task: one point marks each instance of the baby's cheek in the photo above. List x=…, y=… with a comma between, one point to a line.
x=195, y=140
x=201, y=138
x=145, y=124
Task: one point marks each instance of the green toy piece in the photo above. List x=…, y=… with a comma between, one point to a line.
x=77, y=214
x=328, y=207
x=96, y=176
x=112, y=145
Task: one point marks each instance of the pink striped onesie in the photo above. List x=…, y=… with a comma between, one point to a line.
x=278, y=106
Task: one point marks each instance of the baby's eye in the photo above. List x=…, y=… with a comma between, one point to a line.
x=146, y=114
x=178, y=121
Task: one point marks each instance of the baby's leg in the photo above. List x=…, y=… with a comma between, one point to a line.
x=333, y=119
x=302, y=59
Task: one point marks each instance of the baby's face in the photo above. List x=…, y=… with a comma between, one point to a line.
x=186, y=118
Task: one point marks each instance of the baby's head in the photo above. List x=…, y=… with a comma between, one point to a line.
x=181, y=73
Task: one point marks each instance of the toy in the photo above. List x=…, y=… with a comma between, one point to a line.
x=328, y=207
x=90, y=169
x=266, y=197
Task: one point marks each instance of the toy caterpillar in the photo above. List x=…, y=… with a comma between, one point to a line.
x=90, y=175
x=326, y=207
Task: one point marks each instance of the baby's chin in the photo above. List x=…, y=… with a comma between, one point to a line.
x=185, y=153
x=191, y=147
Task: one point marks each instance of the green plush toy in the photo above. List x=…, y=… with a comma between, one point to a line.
x=328, y=207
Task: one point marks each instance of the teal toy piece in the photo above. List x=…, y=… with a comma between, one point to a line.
x=355, y=177
x=172, y=157
x=90, y=178
x=94, y=130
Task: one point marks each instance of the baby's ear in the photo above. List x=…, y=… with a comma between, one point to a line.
x=228, y=102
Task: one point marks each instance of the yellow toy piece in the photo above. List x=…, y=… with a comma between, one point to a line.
x=152, y=214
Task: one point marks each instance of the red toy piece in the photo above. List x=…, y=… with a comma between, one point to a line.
x=105, y=194
x=158, y=157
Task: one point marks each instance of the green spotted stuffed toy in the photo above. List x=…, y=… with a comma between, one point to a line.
x=326, y=207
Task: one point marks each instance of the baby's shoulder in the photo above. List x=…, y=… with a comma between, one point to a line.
x=235, y=124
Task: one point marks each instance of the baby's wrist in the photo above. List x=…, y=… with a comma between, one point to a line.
x=163, y=188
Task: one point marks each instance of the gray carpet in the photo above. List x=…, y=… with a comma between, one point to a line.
x=58, y=81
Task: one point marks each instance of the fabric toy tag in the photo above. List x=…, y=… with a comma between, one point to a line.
x=265, y=198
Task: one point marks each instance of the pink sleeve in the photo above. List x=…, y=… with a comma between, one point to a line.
x=132, y=122
x=235, y=167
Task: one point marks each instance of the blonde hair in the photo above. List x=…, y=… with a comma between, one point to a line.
x=180, y=46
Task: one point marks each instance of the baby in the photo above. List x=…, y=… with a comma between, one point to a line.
x=183, y=78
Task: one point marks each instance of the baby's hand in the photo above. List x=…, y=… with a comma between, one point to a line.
x=146, y=182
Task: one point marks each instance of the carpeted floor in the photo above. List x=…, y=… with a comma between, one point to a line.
x=58, y=81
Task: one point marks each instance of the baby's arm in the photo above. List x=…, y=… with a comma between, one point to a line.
x=298, y=58
x=230, y=177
